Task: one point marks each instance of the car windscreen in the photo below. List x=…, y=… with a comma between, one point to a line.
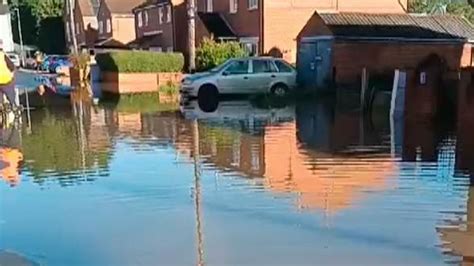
x=220, y=67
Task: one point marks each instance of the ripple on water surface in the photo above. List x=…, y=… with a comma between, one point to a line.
x=143, y=188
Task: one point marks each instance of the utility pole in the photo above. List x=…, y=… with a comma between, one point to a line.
x=72, y=23
x=191, y=35
x=22, y=56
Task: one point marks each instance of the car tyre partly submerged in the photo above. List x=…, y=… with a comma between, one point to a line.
x=279, y=90
x=208, y=98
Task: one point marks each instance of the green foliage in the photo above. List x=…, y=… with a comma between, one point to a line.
x=140, y=62
x=455, y=7
x=169, y=89
x=141, y=103
x=54, y=146
x=38, y=27
x=211, y=53
x=51, y=38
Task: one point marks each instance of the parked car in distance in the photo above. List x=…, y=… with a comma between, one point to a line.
x=15, y=59
x=50, y=60
x=56, y=65
x=253, y=75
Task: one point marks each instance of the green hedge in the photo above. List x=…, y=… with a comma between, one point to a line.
x=140, y=62
x=211, y=53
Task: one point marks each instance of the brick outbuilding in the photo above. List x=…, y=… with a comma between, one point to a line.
x=335, y=47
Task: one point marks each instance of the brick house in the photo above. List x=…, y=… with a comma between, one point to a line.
x=85, y=17
x=154, y=26
x=265, y=26
x=116, y=23
x=384, y=42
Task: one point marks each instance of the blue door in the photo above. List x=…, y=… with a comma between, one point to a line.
x=314, y=64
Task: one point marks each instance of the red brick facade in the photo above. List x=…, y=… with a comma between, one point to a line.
x=383, y=57
x=119, y=24
x=156, y=19
x=85, y=24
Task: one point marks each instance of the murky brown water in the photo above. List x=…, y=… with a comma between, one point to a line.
x=302, y=184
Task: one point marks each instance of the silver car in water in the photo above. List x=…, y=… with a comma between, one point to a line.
x=253, y=75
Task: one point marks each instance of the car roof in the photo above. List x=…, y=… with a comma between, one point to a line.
x=258, y=58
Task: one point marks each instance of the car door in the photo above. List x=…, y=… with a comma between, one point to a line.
x=263, y=73
x=286, y=73
x=235, y=77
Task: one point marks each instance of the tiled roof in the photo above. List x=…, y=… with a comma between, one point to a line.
x=216, y=25
x=398, y=26
x=122, y=6
x=150, y=3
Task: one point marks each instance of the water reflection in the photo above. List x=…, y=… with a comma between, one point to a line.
x=256, y=172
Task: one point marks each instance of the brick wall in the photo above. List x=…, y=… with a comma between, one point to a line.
x=153, y=26
x=245, y=22
x=381, y=57
x=123, y=28
x=284, y=19
x=102, y=16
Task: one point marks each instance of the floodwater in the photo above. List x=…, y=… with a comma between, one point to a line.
x=134, y=183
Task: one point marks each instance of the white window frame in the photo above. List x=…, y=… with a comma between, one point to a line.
x=209, y=6
x=252, y=4
x=109, y=25
x=169, y=49
x=233, y=6
x=140, y=19
x=168, y=13
x=160, y=15
x=101, y=27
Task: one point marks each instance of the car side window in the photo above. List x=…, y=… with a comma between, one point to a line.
x=283, y=67
x=263, y=66
x=238, y=67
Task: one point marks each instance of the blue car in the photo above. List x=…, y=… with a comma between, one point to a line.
x=51, y=62
x=58, y=63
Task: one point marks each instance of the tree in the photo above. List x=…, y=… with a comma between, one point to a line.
x=462, y=8
x=33, y=13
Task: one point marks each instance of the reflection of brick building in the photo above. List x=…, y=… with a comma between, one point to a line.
x=322, y=181
x=465, y=126
x=459, y=240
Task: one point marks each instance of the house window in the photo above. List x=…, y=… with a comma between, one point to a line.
x=156, y=49
x=109, y=25
x=146, y=18
x=238, y=67
x=252, y=4
x=168, y=13
x=169, y=49
x=160, y=15
x=101, y=27
x=251, y=47
x=233, y=6
x=140, y=20
x=209, y=7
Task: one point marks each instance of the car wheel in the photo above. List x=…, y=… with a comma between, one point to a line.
x=279, y=90
x=208, y=98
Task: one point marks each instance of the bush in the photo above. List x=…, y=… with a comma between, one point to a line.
x=211, y=53
x=140, y=62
